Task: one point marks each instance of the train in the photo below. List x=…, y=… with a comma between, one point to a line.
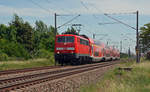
x=80, y=49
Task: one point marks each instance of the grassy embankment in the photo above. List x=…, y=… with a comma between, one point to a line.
x=137, y=80
x=8, y=65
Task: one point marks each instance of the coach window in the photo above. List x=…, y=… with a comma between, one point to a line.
x=84, y=42
x=81, y=41
x=87, y=43
x=61, y=39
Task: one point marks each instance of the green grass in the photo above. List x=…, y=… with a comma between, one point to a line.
x=137, y=80
x=8, y=65
x=89, y=88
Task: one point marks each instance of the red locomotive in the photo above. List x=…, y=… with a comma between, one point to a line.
x=74, y=49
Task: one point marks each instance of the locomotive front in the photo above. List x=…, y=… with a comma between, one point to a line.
x=65, y=48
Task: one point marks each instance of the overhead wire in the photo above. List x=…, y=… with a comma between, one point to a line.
x=61, y=7
x=120, y=21
x=84, y=5
x=108, y=23
x=94, y=16
x=112, y=17
x=109, y=16
x=122, y=13
x=47, y=10
x=69, y=21
x=116, y=19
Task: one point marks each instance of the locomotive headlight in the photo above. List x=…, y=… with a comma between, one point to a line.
x=71, y=48
x=59, y=48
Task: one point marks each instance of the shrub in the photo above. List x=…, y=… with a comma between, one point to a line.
x=3, y=57
x=43, y=53
x=13, y=49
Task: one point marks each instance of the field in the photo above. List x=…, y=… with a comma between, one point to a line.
x=7, y=65
x=136, y=80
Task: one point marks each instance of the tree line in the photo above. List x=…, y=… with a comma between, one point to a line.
x=19, y=39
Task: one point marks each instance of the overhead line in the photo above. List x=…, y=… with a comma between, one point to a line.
x=94, y=16
x=84, y=5
x=60, y=8
x=116, y=19
x=65, y=15
x=123, y=13
x=87, y=8
x=69, y=21
x=40, y=6
x=119, y=21
x=108, y=23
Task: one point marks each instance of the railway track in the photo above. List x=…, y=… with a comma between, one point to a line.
x=15, y=71
x=24, y=81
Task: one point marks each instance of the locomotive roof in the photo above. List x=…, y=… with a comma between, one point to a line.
x=91, y=40
x=80, y=36
x=66, y=35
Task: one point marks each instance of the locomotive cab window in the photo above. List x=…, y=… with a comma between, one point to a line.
x=69, y=39
x=65, y=39
x=61, y=39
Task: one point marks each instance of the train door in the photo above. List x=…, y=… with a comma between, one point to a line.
x=92, y=50
x=78, y=45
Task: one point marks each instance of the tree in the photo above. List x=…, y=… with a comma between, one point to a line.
x=11, y=33
x=27, y=36
x=3, y=31
x=20, y=39
x=40, y=30
x=44, y=36
x=24, y=32
x=71, y=31
x=145, y=37
x=18, y=24
x=40, y=26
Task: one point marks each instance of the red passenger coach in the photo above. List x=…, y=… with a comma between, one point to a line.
x=71, y=49
x=98, y=51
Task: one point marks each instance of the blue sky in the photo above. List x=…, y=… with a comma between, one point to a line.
x=91, y=14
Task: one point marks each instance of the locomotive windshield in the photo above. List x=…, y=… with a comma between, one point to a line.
x=65, y=39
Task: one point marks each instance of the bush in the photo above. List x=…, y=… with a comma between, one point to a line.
x=43, y=53
x=3, y=57
x=13, y=49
